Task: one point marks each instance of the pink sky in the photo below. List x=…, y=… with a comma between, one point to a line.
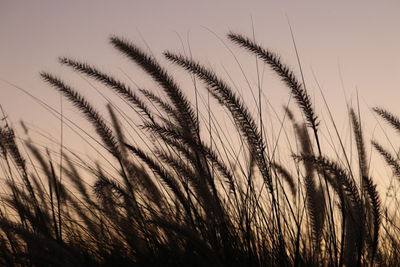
x=362, y=37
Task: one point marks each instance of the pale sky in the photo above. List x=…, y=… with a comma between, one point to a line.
x=361, y=38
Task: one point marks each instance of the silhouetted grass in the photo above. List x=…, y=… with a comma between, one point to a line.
x=186, y=196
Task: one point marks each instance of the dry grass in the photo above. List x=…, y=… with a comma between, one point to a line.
x=186, y=197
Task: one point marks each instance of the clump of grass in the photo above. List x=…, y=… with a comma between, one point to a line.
x=184, y=196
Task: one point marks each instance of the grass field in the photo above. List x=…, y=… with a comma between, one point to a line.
x=187, y=192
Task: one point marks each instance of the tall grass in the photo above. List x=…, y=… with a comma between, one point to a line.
x=187, y=196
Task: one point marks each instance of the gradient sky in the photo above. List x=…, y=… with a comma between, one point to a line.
x=361, y=38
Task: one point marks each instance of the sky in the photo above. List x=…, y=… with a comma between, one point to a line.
x=349, y=47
